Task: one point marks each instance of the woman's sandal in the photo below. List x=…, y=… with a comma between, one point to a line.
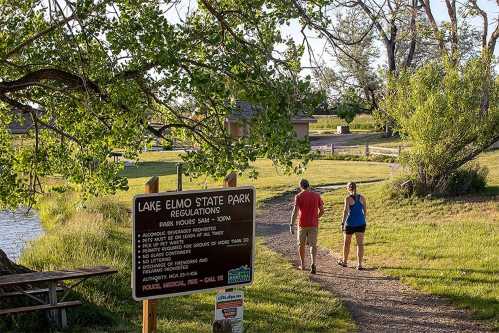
x=342, y=263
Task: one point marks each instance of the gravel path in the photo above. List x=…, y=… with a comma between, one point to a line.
x=340, y=139
x=377, y=303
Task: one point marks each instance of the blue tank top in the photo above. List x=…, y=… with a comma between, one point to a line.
x=356, y=216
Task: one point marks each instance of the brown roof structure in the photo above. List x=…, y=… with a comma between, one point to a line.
x=22, y=124
x=246, y=111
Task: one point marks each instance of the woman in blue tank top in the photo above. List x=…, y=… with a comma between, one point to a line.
x=353, y=222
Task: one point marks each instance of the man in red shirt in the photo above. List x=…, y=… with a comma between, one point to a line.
x=310, y=209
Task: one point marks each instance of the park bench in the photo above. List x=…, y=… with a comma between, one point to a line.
x=22, y=285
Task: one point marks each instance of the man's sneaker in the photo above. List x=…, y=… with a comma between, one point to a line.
x=313, y=270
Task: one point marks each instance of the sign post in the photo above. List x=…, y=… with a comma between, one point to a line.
x=230, y=181
x=179, y=176
x=150, y=307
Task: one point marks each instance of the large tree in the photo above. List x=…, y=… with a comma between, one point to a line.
x=449, y=109
x=361, y=34
x=92, y=75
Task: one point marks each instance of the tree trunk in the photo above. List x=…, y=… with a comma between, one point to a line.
x=390, y=52
x=9, y=267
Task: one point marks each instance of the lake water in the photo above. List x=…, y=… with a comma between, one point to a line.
x=16, y=229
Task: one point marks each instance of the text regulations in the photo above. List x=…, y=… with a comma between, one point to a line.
x=192, y=241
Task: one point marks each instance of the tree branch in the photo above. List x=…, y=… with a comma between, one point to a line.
x=485, y=20
x=436, y=31
x=34, y=113
x=48, y=30
x=32, y=78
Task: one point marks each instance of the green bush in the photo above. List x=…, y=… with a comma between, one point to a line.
x=439, y=110
x=468, y=179
x=349, y=105
x=399, y=187
x=346, y=157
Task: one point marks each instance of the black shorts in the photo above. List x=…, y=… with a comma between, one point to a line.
x=351, y=230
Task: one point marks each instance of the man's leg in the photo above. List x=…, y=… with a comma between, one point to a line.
x=302, y=255
x=360, y=247
x=312, y=241
x=302, y=237
x=346, y=246
x=313, y=253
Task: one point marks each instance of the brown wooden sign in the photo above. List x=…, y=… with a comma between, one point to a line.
x=192, y=241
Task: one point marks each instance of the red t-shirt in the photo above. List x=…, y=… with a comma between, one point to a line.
x=308, y=204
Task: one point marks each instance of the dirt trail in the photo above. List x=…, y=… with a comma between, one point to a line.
x=341, y=140
x=377, y=303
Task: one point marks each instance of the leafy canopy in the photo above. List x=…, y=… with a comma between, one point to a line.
x=349, y=105
x=94, y=75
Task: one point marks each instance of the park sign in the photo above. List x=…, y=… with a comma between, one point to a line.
x=192, y=241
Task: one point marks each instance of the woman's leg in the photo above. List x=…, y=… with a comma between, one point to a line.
x=346, y=246
x=360, y=247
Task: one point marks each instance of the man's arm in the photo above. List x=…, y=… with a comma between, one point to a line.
x=293, y=218
x=321, y=208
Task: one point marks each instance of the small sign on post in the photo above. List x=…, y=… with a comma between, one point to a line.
x=192, y=241
x=229, y=309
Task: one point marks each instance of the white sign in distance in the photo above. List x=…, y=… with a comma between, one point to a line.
x=229, y=308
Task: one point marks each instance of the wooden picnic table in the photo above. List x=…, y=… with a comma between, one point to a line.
x=54, y=279
x=116, y=156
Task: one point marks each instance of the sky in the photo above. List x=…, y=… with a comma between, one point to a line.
x=317, y=44
x=439, y=11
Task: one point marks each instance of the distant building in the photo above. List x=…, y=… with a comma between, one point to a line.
x=22, y=124
x=238, y=121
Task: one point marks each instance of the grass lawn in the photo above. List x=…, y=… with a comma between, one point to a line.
x=327, y=124
x=281, y=299
x=491, y=161
x=269, y=183
x=447, y=247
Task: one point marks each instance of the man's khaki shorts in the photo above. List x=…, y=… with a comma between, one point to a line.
x=308, y=235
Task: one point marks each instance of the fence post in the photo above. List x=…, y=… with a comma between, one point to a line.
x=150, y=306
x=367, y=149
x=400, y=150
x=179, y=177
x=332, y=149
x=230, y=180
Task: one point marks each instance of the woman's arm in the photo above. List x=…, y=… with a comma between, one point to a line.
x=346, y=210
x=363, y=201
